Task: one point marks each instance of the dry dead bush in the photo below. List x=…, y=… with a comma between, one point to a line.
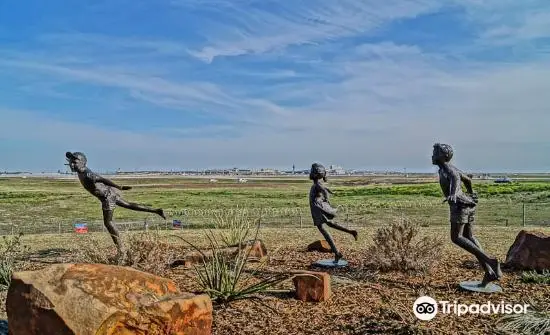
x=398, y=247
x=11, y=248
x=146, y=252
x=90, y=250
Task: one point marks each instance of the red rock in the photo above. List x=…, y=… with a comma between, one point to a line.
x=196, y=258
x=319, y=245
x=256, y=248
x=530, y=251
x=97, y=299
x=312, y=286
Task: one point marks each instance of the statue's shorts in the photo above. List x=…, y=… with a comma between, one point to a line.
x=462, y=214
x=109, y=198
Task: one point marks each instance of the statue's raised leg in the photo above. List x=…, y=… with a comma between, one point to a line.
x=139, y=207
x=342, y=228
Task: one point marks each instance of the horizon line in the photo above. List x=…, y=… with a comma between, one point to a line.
x=267, y=171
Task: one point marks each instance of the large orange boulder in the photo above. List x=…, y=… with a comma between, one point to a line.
x=312, y=286
x=530, y=251
x=97, y=299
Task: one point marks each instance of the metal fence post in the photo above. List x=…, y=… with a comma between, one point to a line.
x=524, y=214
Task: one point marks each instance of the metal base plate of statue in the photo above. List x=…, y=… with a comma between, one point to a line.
x=329, y=263
x=475, y=286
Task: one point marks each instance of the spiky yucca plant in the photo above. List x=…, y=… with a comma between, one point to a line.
x=535, y=322
x=535, y=277
x=222, y=275
x=235, y=225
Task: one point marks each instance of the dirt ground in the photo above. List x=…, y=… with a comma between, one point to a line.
x=363, y=301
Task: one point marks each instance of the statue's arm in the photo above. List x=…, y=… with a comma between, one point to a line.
x=467, y=182
x=324, y=206
x=327, y=209
x=454, y=184
x=109, y=182
x=325, y=192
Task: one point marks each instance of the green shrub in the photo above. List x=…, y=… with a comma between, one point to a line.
x=536, y=277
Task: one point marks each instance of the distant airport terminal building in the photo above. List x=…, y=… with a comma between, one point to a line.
x=336, y=170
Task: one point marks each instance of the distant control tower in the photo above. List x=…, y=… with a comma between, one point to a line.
x=293, y=169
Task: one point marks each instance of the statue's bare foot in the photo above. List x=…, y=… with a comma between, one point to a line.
x=487, y=278
x=337, y=257
x=495, y=265
x=160, y=212
x=354, y=233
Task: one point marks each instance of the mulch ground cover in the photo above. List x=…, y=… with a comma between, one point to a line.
x=363, y=300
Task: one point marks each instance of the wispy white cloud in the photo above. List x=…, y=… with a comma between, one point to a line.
x=318, y=96
x=70, y=41
x=157, y=90
x=522, y=34
x=493, y=120
x=256, y=27
x=259, y=27
x=509, y=22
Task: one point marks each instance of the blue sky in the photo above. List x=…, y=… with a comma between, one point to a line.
x=190, y=84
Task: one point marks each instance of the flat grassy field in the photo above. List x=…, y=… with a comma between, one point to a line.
x=363, y=301
x=35, y=205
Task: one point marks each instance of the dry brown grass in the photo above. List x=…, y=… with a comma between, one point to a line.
x=145, y=251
